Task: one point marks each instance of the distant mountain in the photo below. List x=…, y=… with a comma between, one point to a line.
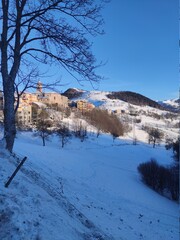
x=172, y=105
x=73, y=93
x=99, y=98
x=135, y=98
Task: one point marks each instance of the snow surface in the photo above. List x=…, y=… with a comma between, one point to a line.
x=100, y=99
x=88, y=190
x=172, y=102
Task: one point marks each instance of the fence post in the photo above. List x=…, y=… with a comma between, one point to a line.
x=15, y=172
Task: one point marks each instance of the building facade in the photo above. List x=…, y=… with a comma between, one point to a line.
x=84, y=106
x=50, y=99
x=53, y=99
x=24, y=114
x=31, y=103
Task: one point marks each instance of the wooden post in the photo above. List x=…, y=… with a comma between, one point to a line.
x=15, y=172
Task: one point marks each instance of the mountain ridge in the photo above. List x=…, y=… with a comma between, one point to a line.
x=135, y=99
x=125, y=96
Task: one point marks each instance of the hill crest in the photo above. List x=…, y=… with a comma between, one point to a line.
x=135, y=99
x=126, y=96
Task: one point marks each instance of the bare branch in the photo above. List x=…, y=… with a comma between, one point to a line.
x=44, y=32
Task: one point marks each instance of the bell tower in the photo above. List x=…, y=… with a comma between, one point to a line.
x=39, y=87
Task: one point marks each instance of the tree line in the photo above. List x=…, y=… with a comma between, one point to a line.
x=100, y=119
x=134, y=98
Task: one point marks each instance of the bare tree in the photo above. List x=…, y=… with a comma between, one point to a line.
x=46, y=32
x=80, y=130
x=98, y=131
x=42, y=125
x=155, y=135
x=64, y=134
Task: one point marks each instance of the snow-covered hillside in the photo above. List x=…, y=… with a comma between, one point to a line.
x=172, y=104
x=164, y=120
x=100, y=97
x=88, y=190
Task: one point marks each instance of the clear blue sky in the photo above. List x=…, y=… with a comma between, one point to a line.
x=140, y=47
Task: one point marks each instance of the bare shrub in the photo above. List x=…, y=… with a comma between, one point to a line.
x=105, y=122
x=155, y=135
x=173, y=182
x=164, y=180
x=149, y=173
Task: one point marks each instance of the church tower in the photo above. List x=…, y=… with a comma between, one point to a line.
x=39, y=87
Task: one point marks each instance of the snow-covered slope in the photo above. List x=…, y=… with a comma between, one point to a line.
x=99, y=98
x=172, y=104
x=88, y=190
x=148, y=116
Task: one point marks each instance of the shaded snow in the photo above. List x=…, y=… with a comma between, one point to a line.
x=172, y=102
x=88, y=190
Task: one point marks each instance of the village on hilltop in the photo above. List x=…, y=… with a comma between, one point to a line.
x=31, y=104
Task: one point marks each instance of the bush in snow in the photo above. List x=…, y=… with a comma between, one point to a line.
x=173, y=182
x=155, y=135
x=170, y=144
x=149, y=172
x=164, y=180
x=105, y=122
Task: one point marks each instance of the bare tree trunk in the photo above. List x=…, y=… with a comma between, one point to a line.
x=8, y=83
x=9, y=114
x=9, y=75
x=43, y=138
x=63, y=141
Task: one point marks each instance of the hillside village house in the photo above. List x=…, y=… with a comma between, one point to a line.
x=84, y=106
x=51, y=98
x=29, y=102
x=24, y=114
x=36, y=110
x=40, y=100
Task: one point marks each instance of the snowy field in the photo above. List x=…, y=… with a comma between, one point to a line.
x=88, y=190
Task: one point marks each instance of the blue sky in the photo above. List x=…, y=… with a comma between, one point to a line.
x=140, y=47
